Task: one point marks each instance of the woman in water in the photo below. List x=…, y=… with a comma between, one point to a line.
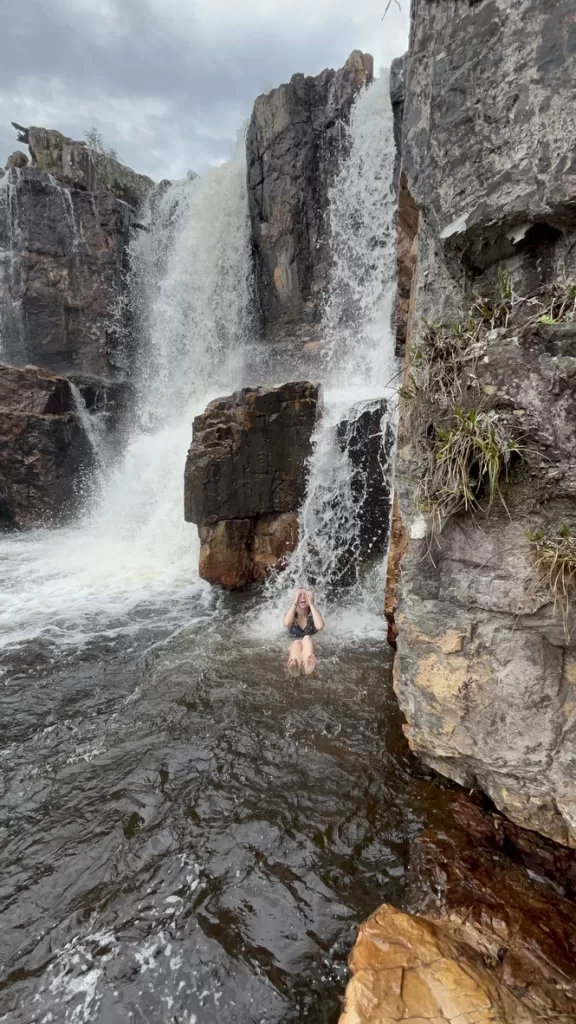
x=302, y=620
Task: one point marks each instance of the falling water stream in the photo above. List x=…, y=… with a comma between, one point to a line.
x=188, y=835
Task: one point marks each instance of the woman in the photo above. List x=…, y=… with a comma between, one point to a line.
x=302, y=620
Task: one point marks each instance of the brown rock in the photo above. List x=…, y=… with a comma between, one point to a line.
x=408, y=969
x=274, y=538
x=245, y=479
x=248, y=454
x=226, y=553
x=44, y=451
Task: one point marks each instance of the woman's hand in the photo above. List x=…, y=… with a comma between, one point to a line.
x=296, y=596
x=309, y=597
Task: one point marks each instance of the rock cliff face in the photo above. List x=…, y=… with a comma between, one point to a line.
x=65, y=227
x=294, y=145
x=245, y=479
x=486, y=479
x=45, y=455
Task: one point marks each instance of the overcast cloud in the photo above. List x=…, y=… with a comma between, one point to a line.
x=168, y=83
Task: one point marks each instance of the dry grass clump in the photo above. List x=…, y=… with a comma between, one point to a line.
x=555, y=569
x=471, y=455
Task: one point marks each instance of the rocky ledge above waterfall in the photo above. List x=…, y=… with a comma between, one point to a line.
x=245, y=479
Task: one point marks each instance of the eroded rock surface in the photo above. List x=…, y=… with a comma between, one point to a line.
x=294, y=145
x=245, y=479
x=44, y=451
x=485, y=672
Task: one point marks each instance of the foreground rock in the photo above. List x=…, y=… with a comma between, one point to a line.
x=486, y=667
x=245, y=479
x=486, y=943
x=45, y=455
x=294, y=146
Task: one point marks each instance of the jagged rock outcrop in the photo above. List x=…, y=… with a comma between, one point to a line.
x=45, y=454
x=79, y=166
x=294, y=144
x=491, y=936
x=245, y=479
x=485, y=671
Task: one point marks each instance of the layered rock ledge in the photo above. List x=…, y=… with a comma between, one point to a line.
x=245, y=479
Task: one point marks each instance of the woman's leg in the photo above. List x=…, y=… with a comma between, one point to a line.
x=295, y=658
x=308, y=657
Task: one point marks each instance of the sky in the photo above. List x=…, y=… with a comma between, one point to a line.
x=169, y=83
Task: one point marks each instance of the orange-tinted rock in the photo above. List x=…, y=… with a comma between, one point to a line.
x=226, y=553
x=245, y=479
x=275, y=537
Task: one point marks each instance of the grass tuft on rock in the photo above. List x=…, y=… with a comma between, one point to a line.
x=472, y=454
x=555, y=569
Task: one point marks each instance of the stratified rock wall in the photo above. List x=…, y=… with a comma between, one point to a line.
x=486, y=672
x=294, y=144
x=245, y=479
x=64, y=275
x=45, y=454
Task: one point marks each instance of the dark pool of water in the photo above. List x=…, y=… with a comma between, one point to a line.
x=190, y=836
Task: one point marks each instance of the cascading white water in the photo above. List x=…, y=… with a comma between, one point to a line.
x=361, y=366
x=133, y=552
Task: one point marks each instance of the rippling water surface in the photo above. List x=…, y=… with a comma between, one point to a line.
x=188, y=834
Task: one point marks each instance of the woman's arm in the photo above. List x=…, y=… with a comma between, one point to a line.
x=289, y=617
x=316, y=615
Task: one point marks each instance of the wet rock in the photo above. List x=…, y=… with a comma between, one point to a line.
x=294, y=145
x=63, y=282
x=45, y=455
x=491, y=936
x=245, y=479
x=367, y=438
x=485, y=670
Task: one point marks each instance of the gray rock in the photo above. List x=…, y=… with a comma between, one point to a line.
x=294, y=144
x=63, y=281
x=485, y=673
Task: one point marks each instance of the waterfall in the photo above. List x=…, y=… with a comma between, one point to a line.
x=133, y=556
x=361, y=366
x=11, y=328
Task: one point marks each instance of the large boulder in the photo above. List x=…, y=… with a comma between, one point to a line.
x=245, y=479
x=45, y=455
x=294, y=146
x=486, y=665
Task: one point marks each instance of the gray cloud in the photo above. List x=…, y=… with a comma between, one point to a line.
x=169, y=82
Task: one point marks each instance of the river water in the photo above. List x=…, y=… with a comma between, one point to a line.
x=187, y=834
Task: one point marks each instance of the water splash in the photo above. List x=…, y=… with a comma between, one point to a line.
x=134, y=555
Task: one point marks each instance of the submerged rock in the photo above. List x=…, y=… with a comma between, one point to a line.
x=294, y=144
x=44, y=451
x=491, y=937
x=245, y=479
